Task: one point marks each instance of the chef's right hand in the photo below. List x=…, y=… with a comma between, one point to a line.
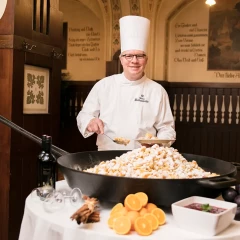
x=96, y=125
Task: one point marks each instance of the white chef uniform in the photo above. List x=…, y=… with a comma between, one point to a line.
x=128, y=109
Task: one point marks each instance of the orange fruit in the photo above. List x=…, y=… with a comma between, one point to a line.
x=113, y=218
x=123, y=211
x=150, y=206
x=132, y=203
x=122, y=225
x=142, y=226
x=142, y=197
x=160, y=214
x=116, y=208
x=143, y=211
x=132, y=215
x=152, y=219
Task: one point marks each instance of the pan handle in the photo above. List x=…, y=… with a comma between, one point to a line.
x=236, y=164
x=56, y=150
x=218, y=183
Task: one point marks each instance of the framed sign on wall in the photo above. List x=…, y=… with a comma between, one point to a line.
x=224, y=36
x=36, y=90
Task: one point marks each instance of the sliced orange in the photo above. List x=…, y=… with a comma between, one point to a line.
x=143, y=198
x=152, y=219
x=116, y=208
x=113, y=218
x=160, y=214
x=132, y=203
x=150, y=207
x=132, y=215
x=143, y=211
x=123, y=210
x=142, y=226
x=122, y=225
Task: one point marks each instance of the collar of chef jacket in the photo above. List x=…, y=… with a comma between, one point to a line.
x=125, y=81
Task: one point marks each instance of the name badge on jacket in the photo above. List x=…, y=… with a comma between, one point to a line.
x=141, y=99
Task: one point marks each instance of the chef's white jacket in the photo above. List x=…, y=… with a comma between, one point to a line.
x=128, y=109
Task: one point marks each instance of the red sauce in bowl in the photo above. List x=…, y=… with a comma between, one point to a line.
x=205, y=208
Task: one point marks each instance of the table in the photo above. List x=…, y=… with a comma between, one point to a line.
x=37, y=224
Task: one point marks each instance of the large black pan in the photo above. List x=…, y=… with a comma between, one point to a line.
x=162, y=192
x=113, y=189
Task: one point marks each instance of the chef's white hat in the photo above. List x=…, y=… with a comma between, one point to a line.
x=134, y=31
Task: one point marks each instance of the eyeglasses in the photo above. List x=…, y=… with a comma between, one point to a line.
x=129, y=57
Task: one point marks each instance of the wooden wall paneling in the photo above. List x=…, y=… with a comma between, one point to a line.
x=79, y=101
x=185, y=102
x=23, y=19
x=234, y=105
x=196, y=134
x=178, y=103
x=218, y=141
x=198, y=104
x=6, y=57
x=38, y=14
x=55, y=93
x=237, y=153
x=220, y=104
x=56, y=27
x=65, y=42
x=24, y=162
x=192, y=99
x=72, y=100
x=205, y=92
x=17, y=152
x=212, y=92
x=204, y=141
x=225, y=150
x=171, y=95
x=211, y=140
x=44, y=17
x=234, y=147
x=226, y=94
x=111, y=67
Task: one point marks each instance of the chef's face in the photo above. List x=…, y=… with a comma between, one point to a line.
x=133, y=62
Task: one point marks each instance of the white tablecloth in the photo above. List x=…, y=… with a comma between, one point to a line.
x=37, y=224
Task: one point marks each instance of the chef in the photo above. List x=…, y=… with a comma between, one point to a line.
x=129, y=104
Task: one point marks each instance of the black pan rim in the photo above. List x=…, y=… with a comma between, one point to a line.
x=150, y=179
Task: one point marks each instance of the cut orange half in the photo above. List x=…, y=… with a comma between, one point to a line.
x=152, y=219
x=150, y=207
x=116, y=208
x=132, y=203
x=122, y=225
x=142, y=226
x=142, y=197
x=160, y=214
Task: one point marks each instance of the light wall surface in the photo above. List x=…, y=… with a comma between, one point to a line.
x=85, y=41
x=178, y=44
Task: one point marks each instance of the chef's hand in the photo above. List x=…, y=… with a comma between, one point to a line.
x=96, y=125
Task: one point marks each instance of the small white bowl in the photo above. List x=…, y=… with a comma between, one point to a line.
x=204, y=223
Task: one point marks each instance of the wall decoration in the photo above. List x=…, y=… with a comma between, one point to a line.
x=36, y=90
x=116, y=15
x=224, y=36
x=105, y=4
x=134, y=7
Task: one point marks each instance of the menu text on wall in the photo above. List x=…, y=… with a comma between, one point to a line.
x=84, y=43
